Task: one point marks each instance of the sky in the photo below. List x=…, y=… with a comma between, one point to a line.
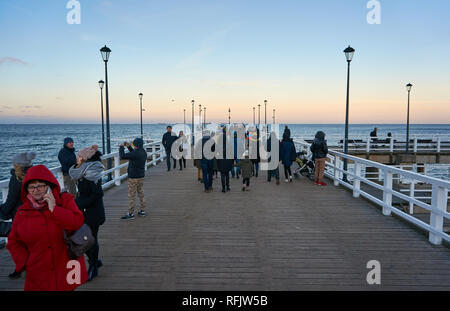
x=230, y=54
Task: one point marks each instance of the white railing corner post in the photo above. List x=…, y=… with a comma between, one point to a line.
x=117, y=169
x=60, y=178
x=438, y=145
x=357, y=181
x=438, y=202
x=415, y=145
x=411, y=194
x=368, y=145
x=391, y=147
x=336, y=171
x=387, y=193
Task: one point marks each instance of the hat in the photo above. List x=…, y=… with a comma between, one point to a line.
x=68, y=140
x=138, y=142
x=88, y=152
x=23, y=159
x=245, y=154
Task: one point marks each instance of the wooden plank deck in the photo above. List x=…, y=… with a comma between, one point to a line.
x=295, y=236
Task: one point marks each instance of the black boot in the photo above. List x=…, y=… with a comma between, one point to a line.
x=93, y=271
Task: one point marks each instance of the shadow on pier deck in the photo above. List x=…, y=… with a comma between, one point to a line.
x=295, y=236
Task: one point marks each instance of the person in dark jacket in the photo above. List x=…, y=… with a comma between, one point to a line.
x=319, y=149
x=167, y=140
x=247, y=169
x=67, y=159
x=88, y=174
x=225, y=165
x=207, y=164
x=137, y=157
x=274, y=172
x=236, y=159
x=288, y=155
x=21, y=163
x=258, y=159
x=287, y=131
x=182, y=160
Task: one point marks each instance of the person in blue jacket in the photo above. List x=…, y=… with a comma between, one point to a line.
x=288, y=155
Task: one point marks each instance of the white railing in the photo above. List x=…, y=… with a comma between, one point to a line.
x=439, y=189
x=156, y=152
x=377, y=144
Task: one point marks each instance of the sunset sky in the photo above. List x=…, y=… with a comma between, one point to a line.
x=224, y=54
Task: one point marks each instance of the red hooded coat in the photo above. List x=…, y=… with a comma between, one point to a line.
x=36, y=241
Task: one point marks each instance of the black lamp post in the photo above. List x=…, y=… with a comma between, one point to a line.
x=408, y=88
x=200, y=115
x=105, y=51
x=229, y=116
x=274, y=116
x=101, y=84
x=192, y=130
x=259, y=113
x=349, y=56
x=204, y=117
x=254, y=122
x=142, y=130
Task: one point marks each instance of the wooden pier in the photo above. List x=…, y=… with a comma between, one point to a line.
x=295, y=236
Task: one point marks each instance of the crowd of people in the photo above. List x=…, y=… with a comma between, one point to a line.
x=44, y=216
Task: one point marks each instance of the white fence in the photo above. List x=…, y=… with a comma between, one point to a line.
x=439, y=190
x=156, y=152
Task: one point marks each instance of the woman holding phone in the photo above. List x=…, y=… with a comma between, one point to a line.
x=36, y=241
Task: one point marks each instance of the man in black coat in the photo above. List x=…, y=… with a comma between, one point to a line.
x=136, y=172
x=167, y=140
x=224, y=164
x=67, y=158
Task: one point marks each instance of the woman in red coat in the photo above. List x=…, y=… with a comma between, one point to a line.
x=36, y=241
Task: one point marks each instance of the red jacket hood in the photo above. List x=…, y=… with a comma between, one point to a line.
x=40, y=172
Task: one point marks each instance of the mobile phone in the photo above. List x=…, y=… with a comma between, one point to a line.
x=49, y=190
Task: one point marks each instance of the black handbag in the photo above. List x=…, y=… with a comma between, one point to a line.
x=79, y=242
x=5, y=228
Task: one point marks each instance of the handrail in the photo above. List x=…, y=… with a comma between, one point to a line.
x=157, y=155
x=439, y=190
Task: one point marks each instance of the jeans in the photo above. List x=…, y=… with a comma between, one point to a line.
x=225, y=178
x=256, y=168
x=246, y=181
x=207, y=170
x=275, y=172
x=182, y=161
x=287, y=171
x=92, y=252
x=169, y=156
x=238, y=169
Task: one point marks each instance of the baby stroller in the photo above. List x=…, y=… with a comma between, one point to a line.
x=305, y=166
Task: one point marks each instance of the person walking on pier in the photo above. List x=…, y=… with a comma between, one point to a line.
x=36, y=241
x=88, y=174
x=136, y=172
x=182, y=160
x=274, y=172
x=236, y=170
x=21, y=163
x=225, y=165
x=207, y=164
x=167, y=141
x=67, y=159
x=288, y=155
x=247, y=169
x=319, y=149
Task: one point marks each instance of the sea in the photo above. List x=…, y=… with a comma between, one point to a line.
x=47, y=139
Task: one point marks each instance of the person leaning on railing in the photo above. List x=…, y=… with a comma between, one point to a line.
x=67, y=158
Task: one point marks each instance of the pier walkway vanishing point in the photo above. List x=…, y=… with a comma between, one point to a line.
x=295, y=236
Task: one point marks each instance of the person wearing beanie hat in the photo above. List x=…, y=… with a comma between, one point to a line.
x=67, y=159
x=247, y=170
x=137, y=158
x=21, y=163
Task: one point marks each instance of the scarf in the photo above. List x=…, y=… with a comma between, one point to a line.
x=35, y=204
x=92, y=171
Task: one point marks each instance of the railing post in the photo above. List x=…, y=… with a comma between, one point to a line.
x=117, y=170
x=60, y=178
x=411, y=194
x=368, y=145
x=357, y=181
x=336, y=171
x=391, y=148
x=438, y=202
x=415, y=145
x=387, y=195
x=438, y=145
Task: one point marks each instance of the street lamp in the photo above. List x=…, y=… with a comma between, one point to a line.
x=204, y=117
x=259, y=113
x=265, y=115
x=229, y=116
x=192, y=130
x=349, y=56
x=101, y=84
x=200, y=115
x=254, y=115
x=273, y=116
x=408, y=88
x=105, y=51
x=142, y=131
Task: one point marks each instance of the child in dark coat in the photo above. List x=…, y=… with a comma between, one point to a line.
x=247, y=169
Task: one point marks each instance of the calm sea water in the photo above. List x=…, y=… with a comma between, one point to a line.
x=46, y=140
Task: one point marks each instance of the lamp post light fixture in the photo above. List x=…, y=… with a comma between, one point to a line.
x=408, y=88
x=349, y=52
x=254, y=116
x=105, y=51
x=101, y=83
x=142, y=130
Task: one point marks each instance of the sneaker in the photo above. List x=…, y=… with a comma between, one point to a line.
x=321, y=183
x=286, y=180
x=228, y=189
x=15, y=275
x=243, y=188
x=290, y=178
x=315, y=182
x=128, y=216
x=142, y=213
